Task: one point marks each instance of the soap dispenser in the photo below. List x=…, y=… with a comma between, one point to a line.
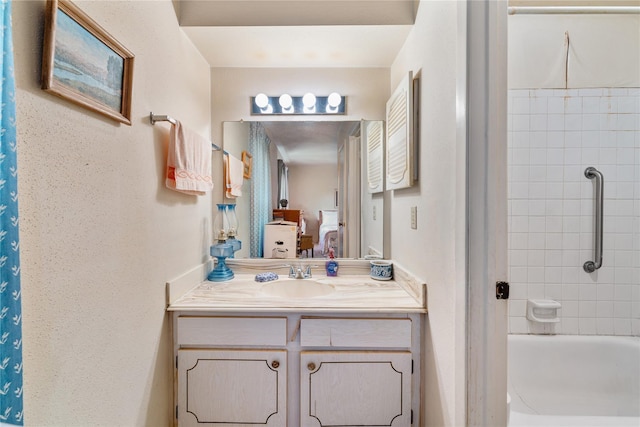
x=332, y=264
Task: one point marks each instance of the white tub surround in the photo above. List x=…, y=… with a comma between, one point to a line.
x=565, y=380
x=554, y=135
x=354, y=289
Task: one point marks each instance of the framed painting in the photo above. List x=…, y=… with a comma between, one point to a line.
x=83, y=64
x=247, y=160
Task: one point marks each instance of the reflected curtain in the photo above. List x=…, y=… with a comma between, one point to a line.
x=261, y=208
x=11, y=409
x=283, y=182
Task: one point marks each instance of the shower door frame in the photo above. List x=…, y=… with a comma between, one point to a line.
x=482, y=121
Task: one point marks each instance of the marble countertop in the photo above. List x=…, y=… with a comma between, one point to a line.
x=352, y=293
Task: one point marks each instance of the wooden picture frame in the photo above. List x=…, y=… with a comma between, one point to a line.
x=247, y=160
x=83, y=64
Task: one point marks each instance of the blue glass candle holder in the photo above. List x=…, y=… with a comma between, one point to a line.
x=222, y=272
x=235, y=244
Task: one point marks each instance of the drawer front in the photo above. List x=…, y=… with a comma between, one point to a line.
x=228, y=331
x=383, y=333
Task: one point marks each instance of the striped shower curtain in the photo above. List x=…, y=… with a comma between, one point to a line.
x=10, y=306
x=260, y=188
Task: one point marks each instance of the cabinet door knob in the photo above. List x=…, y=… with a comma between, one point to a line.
x=311, y=366
x=275, y=364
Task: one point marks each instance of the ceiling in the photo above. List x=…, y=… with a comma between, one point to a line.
x=299, y=34
x=371, y=46
x=308, y=143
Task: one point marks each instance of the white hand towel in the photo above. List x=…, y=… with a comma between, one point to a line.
x=234, y=170
x=188, y=162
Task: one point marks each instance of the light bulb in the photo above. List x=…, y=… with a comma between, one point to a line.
x=285, y=101
x=309, y=100
x=334, y=99
x=261, y=100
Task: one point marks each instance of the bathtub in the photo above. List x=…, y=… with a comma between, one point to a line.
x=574, y=381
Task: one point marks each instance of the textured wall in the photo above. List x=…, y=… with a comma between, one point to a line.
x=433, y=251
x=602, y=51
x=100, y=234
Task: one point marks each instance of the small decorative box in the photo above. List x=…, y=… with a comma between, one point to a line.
x=381, y=270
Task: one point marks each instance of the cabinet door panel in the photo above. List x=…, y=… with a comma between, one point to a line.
x=232, y=388
x=355, y=389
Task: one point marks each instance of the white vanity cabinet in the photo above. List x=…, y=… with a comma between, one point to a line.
x=355, y=389
x=221, y=381
x=297, y=369
x=364, y=378
x=232, y=388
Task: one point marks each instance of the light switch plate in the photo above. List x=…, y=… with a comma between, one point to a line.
x=414, y=217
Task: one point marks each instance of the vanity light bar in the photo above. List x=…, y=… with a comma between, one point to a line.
x=334, y=104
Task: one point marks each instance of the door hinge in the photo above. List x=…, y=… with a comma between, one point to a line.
x=502, y=290
x=176, y=412
x=176, y=362
x=412, y=366
x=412, y=416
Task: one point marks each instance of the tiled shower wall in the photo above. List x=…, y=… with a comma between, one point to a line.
x=553, y=136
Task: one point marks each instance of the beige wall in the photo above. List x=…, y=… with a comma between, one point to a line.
x=573, y=3
x=366, y=90
x=430, y=251
x=372, y=219
x=323, y=180
x=604, y=51
x=100, y=233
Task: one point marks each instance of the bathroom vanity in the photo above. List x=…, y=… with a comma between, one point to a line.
x=346, y=352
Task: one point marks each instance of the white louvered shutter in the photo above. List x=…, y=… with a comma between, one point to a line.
x=375, y=155
x=400, y=136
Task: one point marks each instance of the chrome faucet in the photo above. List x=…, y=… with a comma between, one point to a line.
x=307, y=273
x=297, y=273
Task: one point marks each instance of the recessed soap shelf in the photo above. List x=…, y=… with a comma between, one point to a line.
x=543, y=310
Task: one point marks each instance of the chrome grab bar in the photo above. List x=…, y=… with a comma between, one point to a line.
x=591, y=172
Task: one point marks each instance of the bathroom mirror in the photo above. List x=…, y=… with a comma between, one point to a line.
x=319, y=168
